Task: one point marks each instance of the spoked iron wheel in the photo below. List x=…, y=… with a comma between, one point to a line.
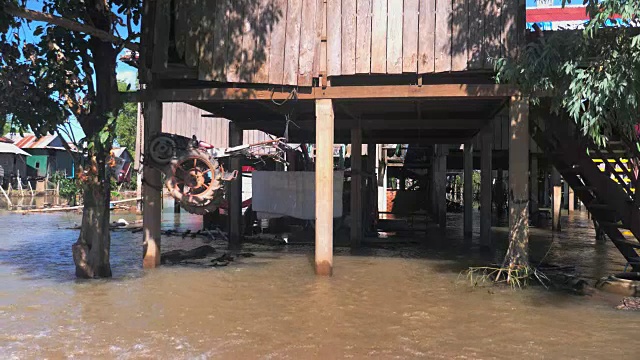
x=194, y=180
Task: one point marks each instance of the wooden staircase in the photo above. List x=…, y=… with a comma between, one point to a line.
x=601, y=178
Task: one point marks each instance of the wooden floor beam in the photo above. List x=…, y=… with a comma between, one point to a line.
x=324, y=187
x=476, y=91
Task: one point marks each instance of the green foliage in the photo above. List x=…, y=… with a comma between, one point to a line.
x=69, y=188
x=592, y=75
x=126, y=123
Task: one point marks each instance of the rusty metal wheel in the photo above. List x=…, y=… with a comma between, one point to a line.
x=194, y=178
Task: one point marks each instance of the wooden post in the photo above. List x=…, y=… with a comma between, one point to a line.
x=545, y=183
x=468, y=189
x=486, y=172
x=556, y=201
x=533, y=183
x=381, y=171
x=565, y=196
x=235, y=191
x=440, y=184
x=572, y=201
x=9, y=204
x=356, y=186
x=324, y=187
x=518, y=174
x=138, y=155
x=372, y=188
x=151, y=192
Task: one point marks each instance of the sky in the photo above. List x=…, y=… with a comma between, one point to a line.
x=124, y=72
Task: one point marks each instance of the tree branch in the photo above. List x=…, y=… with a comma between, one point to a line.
x=69, y=25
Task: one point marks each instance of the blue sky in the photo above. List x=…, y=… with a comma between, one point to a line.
x=124, y=72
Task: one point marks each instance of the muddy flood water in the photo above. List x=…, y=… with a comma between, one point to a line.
x=386, y=302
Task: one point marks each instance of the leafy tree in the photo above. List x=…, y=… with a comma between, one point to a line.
x=591, y=75
x=68, y=68
x=126, y=123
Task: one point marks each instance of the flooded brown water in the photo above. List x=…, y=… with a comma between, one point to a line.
x=386, y=303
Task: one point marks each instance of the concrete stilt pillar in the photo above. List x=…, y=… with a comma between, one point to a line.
x=572, y=201
x=235, y=191
x=533, y=183
x=485, y=186
x=519, y=173
x=468, y=190
x=324, y=187
x=556, y=200
x=356, y=187
x=151, y=190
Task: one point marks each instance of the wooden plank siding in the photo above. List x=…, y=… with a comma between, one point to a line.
x=292, y=40
x=410, y=32
x=307, y=43
x=334, y=37
x=394, y=36
x=348, y=37
x=379, y=37
x=426, y=36
x=278, y=41
x=187, y=120
x=363, y=37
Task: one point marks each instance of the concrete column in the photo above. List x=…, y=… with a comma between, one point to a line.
x=572, y=201
x=324, y=187
x=519, y=172
x=468, y=189
x=533, y=182
x=356, y=187
x=151, y=193
x=235, y=191
x=556, y=201
x=485, y=186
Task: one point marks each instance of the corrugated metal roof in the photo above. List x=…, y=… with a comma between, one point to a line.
x=8, y=148
x=30, y=141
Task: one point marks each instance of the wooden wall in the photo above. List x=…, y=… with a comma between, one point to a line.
x=279, y=41
x=186, y=120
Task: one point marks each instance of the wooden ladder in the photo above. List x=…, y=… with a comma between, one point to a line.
x=605, y=187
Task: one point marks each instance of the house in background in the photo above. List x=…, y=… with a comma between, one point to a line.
x=48, y=154
x=124, y=161
x=13, y=161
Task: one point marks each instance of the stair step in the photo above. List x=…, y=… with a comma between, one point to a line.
x=574, y=169
x=585, y=188
x=627, y=242
x=600, y=206
x=611, y=224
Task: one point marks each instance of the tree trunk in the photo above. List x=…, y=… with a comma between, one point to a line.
x=91, y=251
